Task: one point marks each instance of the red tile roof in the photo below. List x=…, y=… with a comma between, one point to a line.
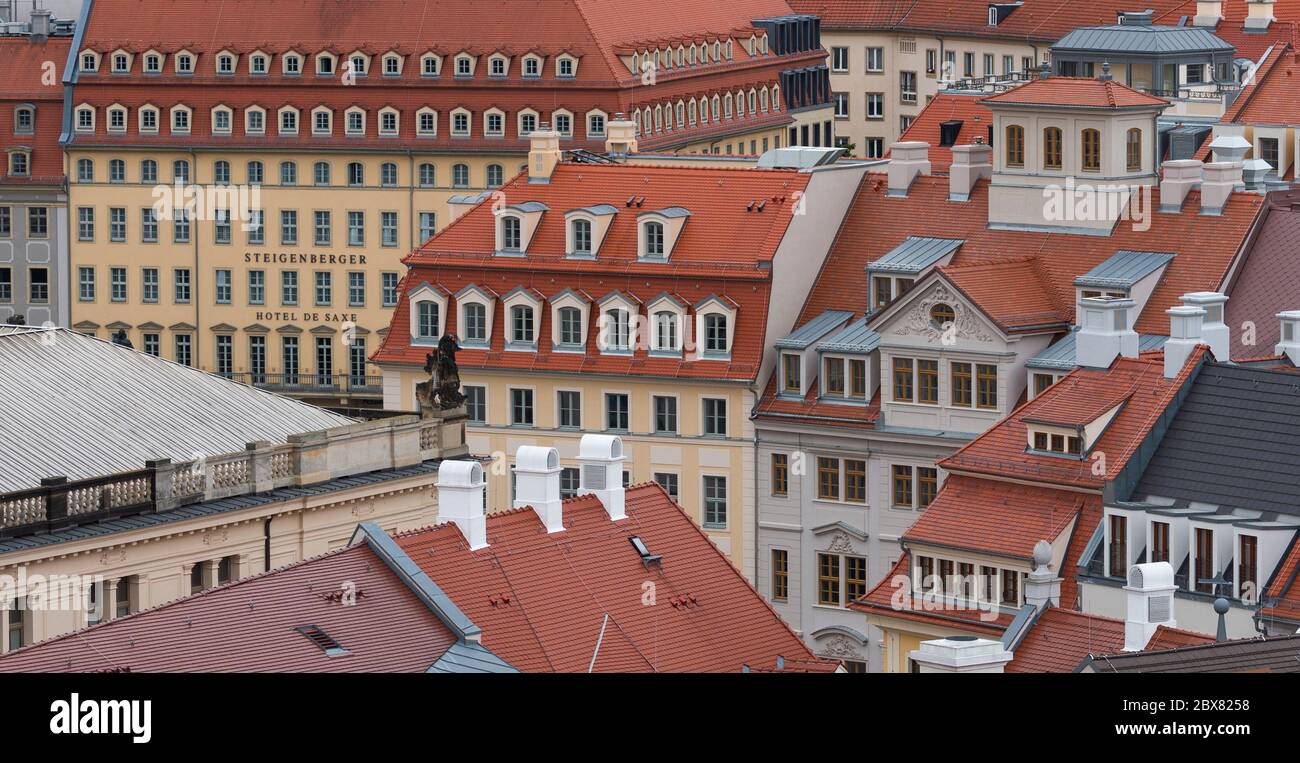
x=1000, y=451
x=1265, y=283
x=542, y=600
x=887, y=600
x=23, y=79
x=1031, y=305
x=811, y=410
x=1270, y=96
x=1282, y=596
x=249, y=626
x=1060, y=639
x=723, y=250
x=975, y=119
x=1035, y=20
x=1231, y=29
x=1086, y=92
x=992, y=517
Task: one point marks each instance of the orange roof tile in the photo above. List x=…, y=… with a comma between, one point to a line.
x=27, y=76
x=885, y=600
x=993, y=517
x=1061, y=638
x=1084, y=92
x=974, y=116
x=1001, y=449
x=541, y=600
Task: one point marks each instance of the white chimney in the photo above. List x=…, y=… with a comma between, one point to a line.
x=460, y=499
x=1043, y=587
x=1259, y=14
x=969, y=164
x=1150, y=593
x=1214, y=331
x=543, y=154
x=907, y=159
x=537, y=484
x=41, y=23
x=620, y=136
x=1104, y=332
x=601, y=457
x=1180, y=177
x=1218, y=181
x=1290, y=336
x=1208, y=13
x=1184, y=335
x=960, y=654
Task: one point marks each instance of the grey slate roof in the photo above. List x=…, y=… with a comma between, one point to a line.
x=1141, y=38
x=469, y=657
x=853, y=339
x=1060, y=356
x=1276, y=654
x=1123, y=269
x=80, y=407
x=208, y=508
x=813, y=330
x=1233, y=442
x=914, y=255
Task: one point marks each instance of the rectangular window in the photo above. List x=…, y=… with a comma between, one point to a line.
x=828, y=478
x=289, y=287
x=149, y=285
x=38, y=285
x=791, y=373
x=839, y=59
x=38, y=222
x=184, y=345
x=1159, y=541
x=225, y=355
x=1011, y=588
x=181, y=227
x=715, y=501
x=288, y=226
x=321, y=228
x=715, y=417
x=961, y=385
x=356, y=228
x=117, y=284
x=780, y=574
x=388, y=228
x=875, y=105
x=85, y=223
x=616, y=412
x=986, y=386
x=289, y=355
x=389, y=287
x=257, y=358
x=1248, y=567
x=116, y=224
x=181, y=284
x=6, y=284
x=907, y=87
x=324, y=361
x=855, y=578
x=476, y=404
x=1204, y=560
x=521, y=407
x=858, y=379
x=149, y=226
x=257, y=287
x=357, y=288
x=855, y=480
x=665, y=415
x=86, y=284
x=927, y=485
x=834, y=376
x=780, y=474
x=570, y=405
x=875, y=60
x=1117, y=545
x=221, y=226
x=902, y=486
x=927, y=381
x=828, y=580
x=224, y=287
x=324, y=291
x=668, y=481
x=903, y=391
x=428, y=225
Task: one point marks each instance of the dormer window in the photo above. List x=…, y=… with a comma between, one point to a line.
x=494, y=123
x=527, y=122
x=325, y=64
x=121, y=63
x=511, y=233
x=152, y=63
x=566, y=66
x=460, y=123
x=497, y=66
x=429, y=65
x=667, y=336
x=288, y=121
x=388, y=122
x=791, y=374
x=464, y=66
x=570, y=326
x=654, y=240
x=616, y=330
x=355, y=122
x=225, y=64
x=427, y=320
x=148, y=119
x=180, y=119
x=1056, y=442
x=89, y=62
x=596, y=124
x=116, y=118
x=359, y=64
x=24, y=120
x=428, y=305
x=254, y=120
x=392, y=65
x=521, y=325
x=715, y=333
x=258, y=64
x=184, y=63
x=19, y=163
x=532, y=66
x=426, y=122
x=291, y=63
x=221, y=120
x=581, y=233
x=85, y=119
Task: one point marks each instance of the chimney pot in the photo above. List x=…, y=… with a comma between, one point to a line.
x=537, y=484
x=907, y=159
x=460, y=499
x=969, y=164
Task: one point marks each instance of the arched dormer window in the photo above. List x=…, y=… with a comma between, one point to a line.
x=322, y=121
x=522, y=324
x=1052, y=153
x=85, y=118
x=430, y=65
x=325, y=64
x=616, y=329
x=714, y=321
x=428, y=320
x=1015, y=151
x=392, y=65
x=181, y=119
x=581, y=237
x=653, y=231
x=354, y=121
x=428, y=309
x=658, y=231
x=25, y=120
x=288, y=121
x=474, y=321
x=511, y=233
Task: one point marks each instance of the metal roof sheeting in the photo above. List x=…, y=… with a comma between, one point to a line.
x=1123, y=269
x=468, y=657
x=1139, y=38
x=914, y=255
x=80, y=407
x=1060, y=356
x=854, y=339
x=813, y=330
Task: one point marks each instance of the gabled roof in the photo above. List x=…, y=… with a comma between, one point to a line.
x=543, y=600
x=949, y=106
x=1265, y=282
x=854, y=339
x=1124, y=269
x=80, y=407
x=1076, y=92
x=1233, y=442
x=1000, y=451
x=914, y=255
x=249, y=626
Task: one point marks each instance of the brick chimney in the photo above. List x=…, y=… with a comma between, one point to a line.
x=907, y=159
x=543, y=154
x=1180, y=177
x=969, y=165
